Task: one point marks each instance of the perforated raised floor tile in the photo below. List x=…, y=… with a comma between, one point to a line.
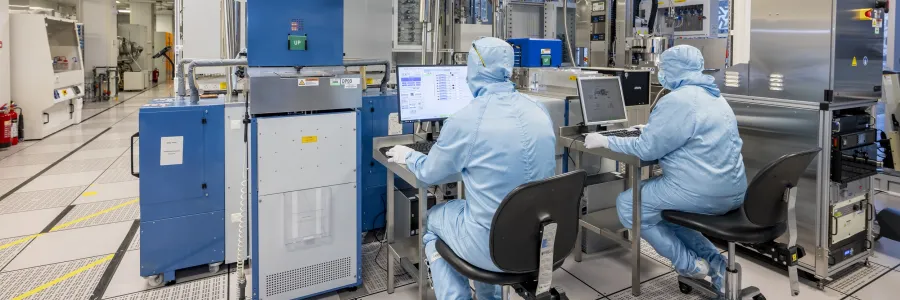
x=212, y=288
x=122, y=210
x=26, y=201
x=79, y=286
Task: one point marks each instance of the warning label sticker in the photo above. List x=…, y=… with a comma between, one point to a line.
x=853, y=63
x=308, y=82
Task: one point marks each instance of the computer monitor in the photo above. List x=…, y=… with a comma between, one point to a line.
x=601, y=100
x=432, y=93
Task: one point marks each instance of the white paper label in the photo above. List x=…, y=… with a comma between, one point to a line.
x=350, y=83
x=235, y=124
x=335, y=82
x=171, y=150
x=545, y=51
x=394, y=126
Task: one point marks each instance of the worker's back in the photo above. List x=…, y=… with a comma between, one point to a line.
x=512, y=143
x=710, y=162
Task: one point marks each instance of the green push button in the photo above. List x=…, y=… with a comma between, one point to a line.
x=545, y=60
x=297, y=42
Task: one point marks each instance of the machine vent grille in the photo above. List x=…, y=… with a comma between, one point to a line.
x=307, y=276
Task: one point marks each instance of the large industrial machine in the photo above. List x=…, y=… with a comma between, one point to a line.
x=196, y=151
x=49, y=77
x=806, y=97
x=304, y=114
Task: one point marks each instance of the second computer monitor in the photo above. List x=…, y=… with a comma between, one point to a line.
x=601, y=100
x=431, y=93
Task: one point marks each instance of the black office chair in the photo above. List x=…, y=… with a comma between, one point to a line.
x=768, y=211
x=532, y=233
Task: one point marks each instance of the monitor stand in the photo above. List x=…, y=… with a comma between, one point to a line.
x=591, y=128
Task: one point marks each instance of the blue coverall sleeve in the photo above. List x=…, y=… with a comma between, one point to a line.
x=446, y=158
x=670, y=126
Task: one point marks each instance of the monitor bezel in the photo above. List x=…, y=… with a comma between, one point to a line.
x=584, y=115
x=399, y=103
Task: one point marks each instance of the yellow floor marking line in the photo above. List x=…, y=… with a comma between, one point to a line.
x=67, y=224
x=64, y=277
x=19, y=241
x=93, y=215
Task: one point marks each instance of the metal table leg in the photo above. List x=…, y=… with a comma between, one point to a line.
x=635, y=171
x=389, y=230
x=580, y=235
x=423, y=267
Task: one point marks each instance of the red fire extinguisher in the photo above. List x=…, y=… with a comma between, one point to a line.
x=6, y=129
x=14, y=119
x=155, y=75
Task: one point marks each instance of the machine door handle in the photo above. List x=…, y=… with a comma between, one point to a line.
x=133, y=173
x=47, y=116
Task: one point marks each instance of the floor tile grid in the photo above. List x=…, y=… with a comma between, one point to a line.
x=18, y=248
x=860, y=288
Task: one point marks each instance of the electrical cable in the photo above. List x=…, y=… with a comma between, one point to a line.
x=239, y=257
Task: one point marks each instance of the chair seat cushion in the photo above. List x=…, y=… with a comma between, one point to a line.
x=732, y=226
x=478, y=274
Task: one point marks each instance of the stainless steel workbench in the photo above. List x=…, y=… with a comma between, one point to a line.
x=605, y=222
x=409, y=250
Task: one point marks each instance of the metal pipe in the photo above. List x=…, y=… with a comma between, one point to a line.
x=195, y=93
x=179, y=75
x=178, y=45
x=424, y=21
x=374, y=62
x=436, y=31
x=566, y=28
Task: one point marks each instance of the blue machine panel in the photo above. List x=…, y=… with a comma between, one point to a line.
x=182, y=185
x=177, y=243
x=533, y=53
x=319, y=24
x=173, y=186
x=376, y=111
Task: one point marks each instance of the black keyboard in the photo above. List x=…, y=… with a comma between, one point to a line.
x=423, y=147
x=622, y=133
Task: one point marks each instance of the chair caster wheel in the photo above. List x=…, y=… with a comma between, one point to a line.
x=759, y=297
x=686, y=289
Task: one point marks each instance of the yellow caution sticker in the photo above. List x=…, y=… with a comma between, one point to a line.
x=853, y=64
x=89, y=193
x=309, y=139
x=573, y=78
x=222, y=86
x=794, y=257
x=838, y=214
x=370, y=81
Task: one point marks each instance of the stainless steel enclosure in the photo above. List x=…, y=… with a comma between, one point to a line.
x=771, y=128
x=801, y=48
x=812, y=62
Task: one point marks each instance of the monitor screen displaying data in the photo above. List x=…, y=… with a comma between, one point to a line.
x=602, y=101
x=429, y=93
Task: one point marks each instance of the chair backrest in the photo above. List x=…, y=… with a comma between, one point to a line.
x=764, y=204
x=516, y=228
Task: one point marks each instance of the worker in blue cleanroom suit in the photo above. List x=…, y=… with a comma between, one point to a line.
x=694, y=135
x=501, y=140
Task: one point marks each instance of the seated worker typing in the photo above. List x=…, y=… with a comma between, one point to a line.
x=694, y=135
x=501, y=140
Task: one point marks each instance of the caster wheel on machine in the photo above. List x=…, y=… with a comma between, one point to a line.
x=214, y=268
x=155, y=280
x=686, y=289
x=759, y=297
